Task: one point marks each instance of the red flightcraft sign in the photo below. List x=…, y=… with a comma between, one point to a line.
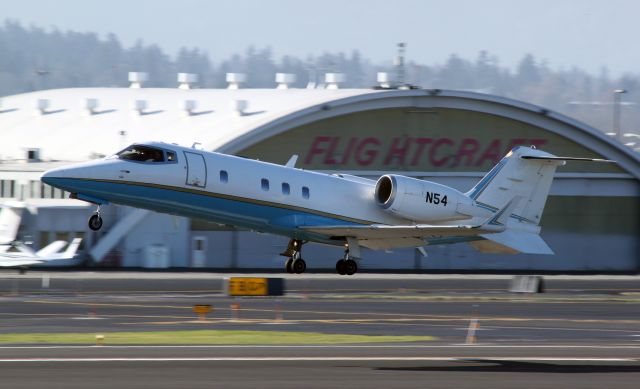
x=407, y=151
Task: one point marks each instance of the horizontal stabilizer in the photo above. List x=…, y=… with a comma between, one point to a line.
x=520, y=241
x=554, y=158
x=18, y=262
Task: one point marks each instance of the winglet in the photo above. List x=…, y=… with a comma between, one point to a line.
x=292, y=161
x=554, y=158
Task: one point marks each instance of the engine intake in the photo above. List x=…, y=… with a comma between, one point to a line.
x=419, y=200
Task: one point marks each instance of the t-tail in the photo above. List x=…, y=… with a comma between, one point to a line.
x=516, y=190
x=10, y=217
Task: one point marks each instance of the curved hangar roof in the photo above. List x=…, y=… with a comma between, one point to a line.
x=80, y=123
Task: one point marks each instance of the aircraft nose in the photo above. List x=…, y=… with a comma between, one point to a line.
x=49, y=177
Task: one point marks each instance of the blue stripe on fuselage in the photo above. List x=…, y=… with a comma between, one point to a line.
x=204, y=205
x=486, y=180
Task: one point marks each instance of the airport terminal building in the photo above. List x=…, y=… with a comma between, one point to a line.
x=591, y=219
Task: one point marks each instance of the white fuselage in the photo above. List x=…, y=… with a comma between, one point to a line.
x=229, y=190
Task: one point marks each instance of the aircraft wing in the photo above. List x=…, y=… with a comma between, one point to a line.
x=15, y=262
x=380, y=236
x=381, y=231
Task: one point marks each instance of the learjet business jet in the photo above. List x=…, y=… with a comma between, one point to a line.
x=501, y=213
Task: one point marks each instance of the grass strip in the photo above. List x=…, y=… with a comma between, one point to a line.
x=204, y=337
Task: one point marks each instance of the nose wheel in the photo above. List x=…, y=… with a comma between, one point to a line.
x=95, y=221
x=295, y=264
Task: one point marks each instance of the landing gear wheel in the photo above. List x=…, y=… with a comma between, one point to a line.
x=350, y=267
x=299, y=266
x=341, y=267
x=95, y=222
x=289, y=265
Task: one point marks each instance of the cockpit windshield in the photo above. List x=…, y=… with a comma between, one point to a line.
x=142, y=154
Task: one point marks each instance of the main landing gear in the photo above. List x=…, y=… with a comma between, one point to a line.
x=95, y=221
x=295, y=264
x=346, y=266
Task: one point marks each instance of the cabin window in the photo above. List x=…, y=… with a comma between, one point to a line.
x=142, y=154
x=171, y=156
x=224, y=176
x=265, y=184
x=305, y=192
x=286, y=189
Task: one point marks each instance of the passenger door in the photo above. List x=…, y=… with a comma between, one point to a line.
x=196, y=170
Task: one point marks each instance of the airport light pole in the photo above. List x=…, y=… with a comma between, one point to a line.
x=617, y=97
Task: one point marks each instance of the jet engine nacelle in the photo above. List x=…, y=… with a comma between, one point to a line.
x=419, y=200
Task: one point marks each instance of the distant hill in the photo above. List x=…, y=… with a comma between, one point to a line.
x=34, y=58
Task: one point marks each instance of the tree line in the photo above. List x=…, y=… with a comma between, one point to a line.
x=34, y=59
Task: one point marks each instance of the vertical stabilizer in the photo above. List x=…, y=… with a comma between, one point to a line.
x=10, y=217
x=515, y=177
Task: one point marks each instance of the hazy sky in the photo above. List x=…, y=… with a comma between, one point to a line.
x=585, y=33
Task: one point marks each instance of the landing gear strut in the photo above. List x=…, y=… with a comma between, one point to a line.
x=346, y=266
x=295, y=264
x=95, y=221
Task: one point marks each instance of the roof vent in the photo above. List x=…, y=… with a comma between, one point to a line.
x=137, y=78
x=139, y=106
x=186, y=80
x=42, y=105
x=384, y=81
x=235, y=79
x=284, y=80
x=239, y=106
x=333, y=80
x=188, y=106
x=91, y=106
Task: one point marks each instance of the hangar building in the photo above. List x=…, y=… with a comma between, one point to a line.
x=591, y=220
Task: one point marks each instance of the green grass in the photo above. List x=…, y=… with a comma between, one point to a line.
x=206, y=337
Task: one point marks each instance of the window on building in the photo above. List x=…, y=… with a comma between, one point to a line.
x=305, y=192
x=286, y=189
x=44, y=238
x=224, y=176
x=62, y=235
x=265, y=184
x=34, y=189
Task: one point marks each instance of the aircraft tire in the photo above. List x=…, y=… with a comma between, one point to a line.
x=341, y=267
x=95, y=222
x=350, y=267
x=288, y=265
x=299, y=266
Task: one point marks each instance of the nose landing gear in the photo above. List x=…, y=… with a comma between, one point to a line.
x=95, y=221
x=295, y=264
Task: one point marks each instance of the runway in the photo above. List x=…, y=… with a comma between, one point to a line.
x=585, y=331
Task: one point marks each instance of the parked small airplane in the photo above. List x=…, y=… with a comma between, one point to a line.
x=10, y=218
x=25, y=256
x=500, y=214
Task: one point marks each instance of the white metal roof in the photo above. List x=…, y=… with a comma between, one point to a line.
x=65, y=130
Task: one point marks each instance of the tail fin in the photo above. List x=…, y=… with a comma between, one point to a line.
x=516, y=189
x=518, y=177
x=73, y=248
x=10, y=218
x=51, y=248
